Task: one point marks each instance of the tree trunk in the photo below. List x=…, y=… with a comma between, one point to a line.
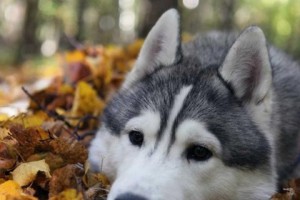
x=227, y=8
x=81, y=5
x=28, y=43
x=151, y=10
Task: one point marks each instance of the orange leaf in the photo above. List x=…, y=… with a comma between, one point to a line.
x=75, y=56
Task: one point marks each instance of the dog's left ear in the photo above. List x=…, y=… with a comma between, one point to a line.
x=161, y=48
x=247, y=67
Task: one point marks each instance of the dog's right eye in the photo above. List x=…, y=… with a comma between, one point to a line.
x=136, y=138
x=198, y=153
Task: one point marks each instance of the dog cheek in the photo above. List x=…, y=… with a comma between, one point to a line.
x=96, y=154
x=100, y=156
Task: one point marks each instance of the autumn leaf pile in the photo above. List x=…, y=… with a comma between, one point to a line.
x=43, y=152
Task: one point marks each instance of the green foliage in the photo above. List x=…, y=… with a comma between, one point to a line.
x=280, y=20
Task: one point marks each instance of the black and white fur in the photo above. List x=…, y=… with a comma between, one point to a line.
x=216, y=118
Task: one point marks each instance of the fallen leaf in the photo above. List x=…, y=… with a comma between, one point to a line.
x=29, y=121
x=4, y=132
x=54, y=127
x=10, y=190
x=86, y=101
x=27, y=139
x=74, y=56
x=69, y=194
x=26, y=172
x=58, y=116
x=3, y=116
x=7, y=158
x=133, y=49
x=64, y=178
x=77, y=71
x=71, y=150
x=55, y=161
x=291, y=191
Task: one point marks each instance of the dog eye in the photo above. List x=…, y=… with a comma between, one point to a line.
x=198, y=153
x=136, y=138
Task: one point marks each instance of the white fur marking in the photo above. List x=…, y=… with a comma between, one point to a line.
x=148, y=122
x=192, y=131
x=177, y=106
x=178, y=103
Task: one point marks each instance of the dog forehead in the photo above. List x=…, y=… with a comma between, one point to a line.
x=156, y=92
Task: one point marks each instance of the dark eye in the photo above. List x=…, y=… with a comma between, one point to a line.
x=136, y=138
x=198, y=153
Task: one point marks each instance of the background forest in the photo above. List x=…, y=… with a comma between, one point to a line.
x=33, y=29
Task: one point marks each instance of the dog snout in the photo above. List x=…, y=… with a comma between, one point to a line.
x=130, y=196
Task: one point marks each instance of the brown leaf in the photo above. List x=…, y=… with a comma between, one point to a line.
x=77, y=71
x=64, y=178
x=290, y=192
x=54, y=127
x=27, y=139
x=71, y=150
x=55, y=161
x=7, y=160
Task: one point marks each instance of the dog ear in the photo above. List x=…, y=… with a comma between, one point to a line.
x=247, y=67
x=161, y=48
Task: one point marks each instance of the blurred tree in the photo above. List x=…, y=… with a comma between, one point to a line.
x=81, y=6
x=28, y=43
x=50, y=24
x=227, y=11
x=150, y=11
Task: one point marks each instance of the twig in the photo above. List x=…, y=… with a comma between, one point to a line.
x=82, y=120
x=87, y=133
x=52, y=114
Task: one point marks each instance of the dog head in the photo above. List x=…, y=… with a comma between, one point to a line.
x=181, y=128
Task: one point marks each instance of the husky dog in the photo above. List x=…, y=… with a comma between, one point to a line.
x=217, y=118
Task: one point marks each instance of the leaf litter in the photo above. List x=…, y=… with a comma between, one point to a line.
x=43, y=151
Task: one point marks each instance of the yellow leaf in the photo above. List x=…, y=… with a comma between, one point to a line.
x=4, y=132
x=3, y=117
x=30, y=120
x=26, y=172
x=91, y=179
x=11, y=190
x=186, y=37
x=75, y=56
x=69, y=194
x=102, y=179
x=86, y=101
x=134, y=48
x=65, y=89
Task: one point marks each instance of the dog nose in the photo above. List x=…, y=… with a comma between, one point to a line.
x=130, y=196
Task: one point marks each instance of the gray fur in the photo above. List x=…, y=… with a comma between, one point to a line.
x=213, y=101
